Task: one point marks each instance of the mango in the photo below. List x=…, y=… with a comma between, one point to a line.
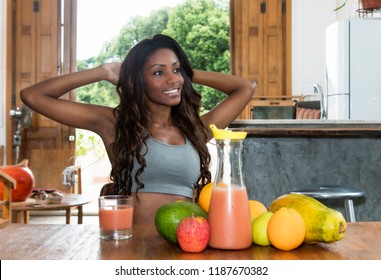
x=323, y=224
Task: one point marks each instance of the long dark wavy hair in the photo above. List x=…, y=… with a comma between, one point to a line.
x=133, y=117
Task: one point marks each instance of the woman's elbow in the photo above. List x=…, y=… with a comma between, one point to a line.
x=251, y=86
x=24, y=96
x=27, y=98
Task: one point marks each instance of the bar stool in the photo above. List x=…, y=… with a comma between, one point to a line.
x=334, y=192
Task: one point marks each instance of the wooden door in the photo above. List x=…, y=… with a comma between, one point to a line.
x=260, y=48
x=37, y=56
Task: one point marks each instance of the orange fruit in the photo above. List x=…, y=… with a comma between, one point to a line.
x=204, y=197
x=286, y=229
x=256, y=208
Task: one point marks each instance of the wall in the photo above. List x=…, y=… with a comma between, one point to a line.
x=309, y=21
x=2, y=73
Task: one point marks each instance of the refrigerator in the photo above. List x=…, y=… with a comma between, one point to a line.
x=353, y=69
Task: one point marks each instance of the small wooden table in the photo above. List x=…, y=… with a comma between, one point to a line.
x=81, y=242
x=21, y=209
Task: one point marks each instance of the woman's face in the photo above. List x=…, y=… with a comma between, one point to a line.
x=163, y=80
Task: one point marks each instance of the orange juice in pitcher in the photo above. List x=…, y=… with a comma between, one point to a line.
x=229, y=213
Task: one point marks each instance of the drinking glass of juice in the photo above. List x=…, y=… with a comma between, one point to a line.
x=115, y=216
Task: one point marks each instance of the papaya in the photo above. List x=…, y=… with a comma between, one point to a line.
x=169, y=215
x=323, y=224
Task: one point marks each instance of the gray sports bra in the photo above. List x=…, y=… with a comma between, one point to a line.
x=170, y=169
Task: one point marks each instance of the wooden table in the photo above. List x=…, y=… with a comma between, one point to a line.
x=62, y=242
x=21, y=209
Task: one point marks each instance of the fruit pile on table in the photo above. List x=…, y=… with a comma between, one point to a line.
x=290, y=221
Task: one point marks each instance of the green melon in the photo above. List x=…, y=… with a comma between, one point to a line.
x=168, y=216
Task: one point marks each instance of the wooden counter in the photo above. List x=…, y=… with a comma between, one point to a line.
x=62, y=242
x=311, y=128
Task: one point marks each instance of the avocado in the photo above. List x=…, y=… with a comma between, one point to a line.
x=168, y=216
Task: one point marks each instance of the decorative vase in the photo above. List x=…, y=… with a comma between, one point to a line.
x=24, y=182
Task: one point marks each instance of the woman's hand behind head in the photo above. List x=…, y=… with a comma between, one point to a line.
x=113, y=70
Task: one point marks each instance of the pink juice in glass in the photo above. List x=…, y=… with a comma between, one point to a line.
x=229, y=218
x=116, y=222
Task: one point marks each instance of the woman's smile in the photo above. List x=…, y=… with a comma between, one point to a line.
x=172, y=92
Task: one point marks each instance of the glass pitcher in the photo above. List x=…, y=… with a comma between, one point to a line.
x=229, y=214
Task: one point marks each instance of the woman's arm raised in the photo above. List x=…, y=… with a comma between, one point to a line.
x=239, y=92
x=44, y=98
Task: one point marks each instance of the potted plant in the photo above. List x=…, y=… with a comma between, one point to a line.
x=366, y=4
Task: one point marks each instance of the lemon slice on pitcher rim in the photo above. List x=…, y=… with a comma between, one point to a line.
x=221, y=134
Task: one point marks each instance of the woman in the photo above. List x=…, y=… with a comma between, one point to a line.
x=155, y=138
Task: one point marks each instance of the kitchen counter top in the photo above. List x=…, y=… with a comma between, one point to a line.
x=62, y=242
x=333, y=128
